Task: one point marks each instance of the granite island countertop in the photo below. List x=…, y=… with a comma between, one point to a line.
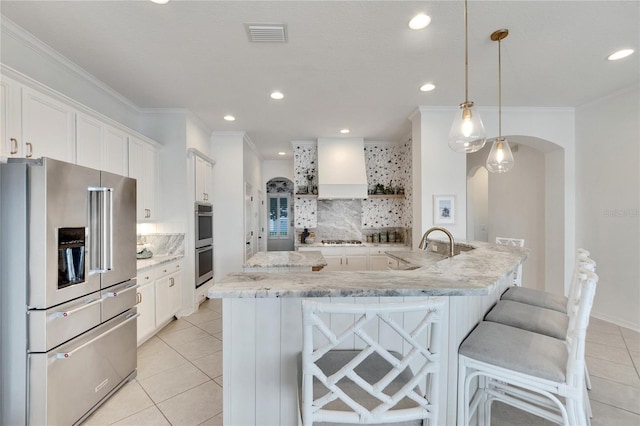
x=474, y=272
x=283, y=259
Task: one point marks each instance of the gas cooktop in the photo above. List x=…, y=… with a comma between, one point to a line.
x=342, y=242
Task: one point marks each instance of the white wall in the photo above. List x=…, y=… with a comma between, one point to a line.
x=478, y=205
x=608, y=201
x=443, y=172
x=275, y=169
x=554, y=222
x=198, y=134
x=228, y=201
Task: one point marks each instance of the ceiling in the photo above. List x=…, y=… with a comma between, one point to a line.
x=347, y=64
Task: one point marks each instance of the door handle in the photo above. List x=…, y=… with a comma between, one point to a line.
x=14, y=146
x=65, y=314
x=30, y=149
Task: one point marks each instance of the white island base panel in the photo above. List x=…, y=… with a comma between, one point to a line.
x=263, y=337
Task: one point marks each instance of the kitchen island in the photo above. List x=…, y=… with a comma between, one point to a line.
x=285, y=261
x=262, y=321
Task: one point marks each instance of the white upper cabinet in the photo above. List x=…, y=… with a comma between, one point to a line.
x=48, y=127
x=35, y=125
x=143, y=166
x=100, y=145
x=204, y=178
x=10, y=132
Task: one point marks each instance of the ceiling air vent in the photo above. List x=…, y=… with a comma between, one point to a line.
x=267, y=33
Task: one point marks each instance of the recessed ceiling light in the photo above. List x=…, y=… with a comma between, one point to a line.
x=229, y=118
x=427, y=87
x=277, y=95
x=345, y=131
x=620, y=54
x=419, y=21
x=282, y=153
x=160, y=1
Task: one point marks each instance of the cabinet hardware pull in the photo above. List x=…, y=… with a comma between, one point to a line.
x=138, y=298
x=172, y=281
x=347, y=260
x=14, y=146
x=30, y=150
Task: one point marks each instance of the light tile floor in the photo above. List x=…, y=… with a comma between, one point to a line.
x=180, y=378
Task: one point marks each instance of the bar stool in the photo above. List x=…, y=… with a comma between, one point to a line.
x=515, y=242
x=371, y=385
x=530, y=371
x=543, y=299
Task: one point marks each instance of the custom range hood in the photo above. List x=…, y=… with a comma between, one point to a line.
x=341, y=169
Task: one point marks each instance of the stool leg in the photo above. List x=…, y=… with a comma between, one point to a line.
x=586, y=377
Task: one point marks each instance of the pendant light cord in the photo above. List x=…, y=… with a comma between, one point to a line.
x=499, y=90
x=466, y=55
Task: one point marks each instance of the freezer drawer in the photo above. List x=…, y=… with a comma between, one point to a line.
x=49, y=328
x=69, y=382
x=118, y=298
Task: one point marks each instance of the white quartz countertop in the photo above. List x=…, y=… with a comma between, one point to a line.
x=144, y=264
x=279, y=259
x=474, y=272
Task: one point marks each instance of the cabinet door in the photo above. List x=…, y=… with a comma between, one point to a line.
x=204, y=174
x=378, y=263
x=334, y=263
x=168, y=297
x=143, y=166
x=115, y=155
x=147, y=310
x=89, y=142
x=10, y=135
x=355, y=263
x=48, y=127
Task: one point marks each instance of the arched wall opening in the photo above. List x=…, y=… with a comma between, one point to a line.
x=526, y=202
x=280, y=214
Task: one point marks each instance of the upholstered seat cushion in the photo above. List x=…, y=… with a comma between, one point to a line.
x=538, y=298
x=528, y=317
x=515, y=349
x=372, y=369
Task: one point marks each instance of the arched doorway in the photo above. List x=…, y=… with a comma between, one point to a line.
x=527, y=202
x=280, y=218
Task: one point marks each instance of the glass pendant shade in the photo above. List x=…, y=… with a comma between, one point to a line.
x=467, y=132
x=500, y=158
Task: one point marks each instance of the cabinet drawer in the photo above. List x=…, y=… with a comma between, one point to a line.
x=169, y=268
x=146, y=276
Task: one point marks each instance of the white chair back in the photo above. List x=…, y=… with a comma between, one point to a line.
x=422, y=350
x=577, y=330
x=515, y=242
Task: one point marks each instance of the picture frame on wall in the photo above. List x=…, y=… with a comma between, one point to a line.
x=444, y=209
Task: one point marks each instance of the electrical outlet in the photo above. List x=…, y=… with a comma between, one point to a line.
x=434, y=247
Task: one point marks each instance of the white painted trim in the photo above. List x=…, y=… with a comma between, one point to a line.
x=616, y=321
x=202, y=155
x=10, y=28
x=249, y=142
x=79, y=107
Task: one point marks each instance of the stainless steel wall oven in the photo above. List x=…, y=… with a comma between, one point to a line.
x=204, y=224
x=203, y=243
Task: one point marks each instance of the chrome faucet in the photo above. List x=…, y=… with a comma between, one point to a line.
x=423, y=241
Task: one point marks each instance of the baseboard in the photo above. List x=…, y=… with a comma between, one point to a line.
x=616, y=321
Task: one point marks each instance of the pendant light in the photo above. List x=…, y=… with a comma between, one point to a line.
x=500, y=158
x=467, y=132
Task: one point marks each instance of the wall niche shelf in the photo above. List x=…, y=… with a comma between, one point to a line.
x=368, y=196
x=385, y=196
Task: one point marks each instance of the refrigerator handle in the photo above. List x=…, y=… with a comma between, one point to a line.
x=101, y=229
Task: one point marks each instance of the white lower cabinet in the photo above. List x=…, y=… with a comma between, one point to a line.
x=168, y=295
x=159, y=298
x=355, y=258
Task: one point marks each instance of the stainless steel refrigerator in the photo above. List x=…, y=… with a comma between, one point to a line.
x=67, y=289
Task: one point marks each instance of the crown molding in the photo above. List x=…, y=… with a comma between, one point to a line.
x=11, y=29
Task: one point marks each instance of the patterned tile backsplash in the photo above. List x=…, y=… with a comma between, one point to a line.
x=387, y=164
